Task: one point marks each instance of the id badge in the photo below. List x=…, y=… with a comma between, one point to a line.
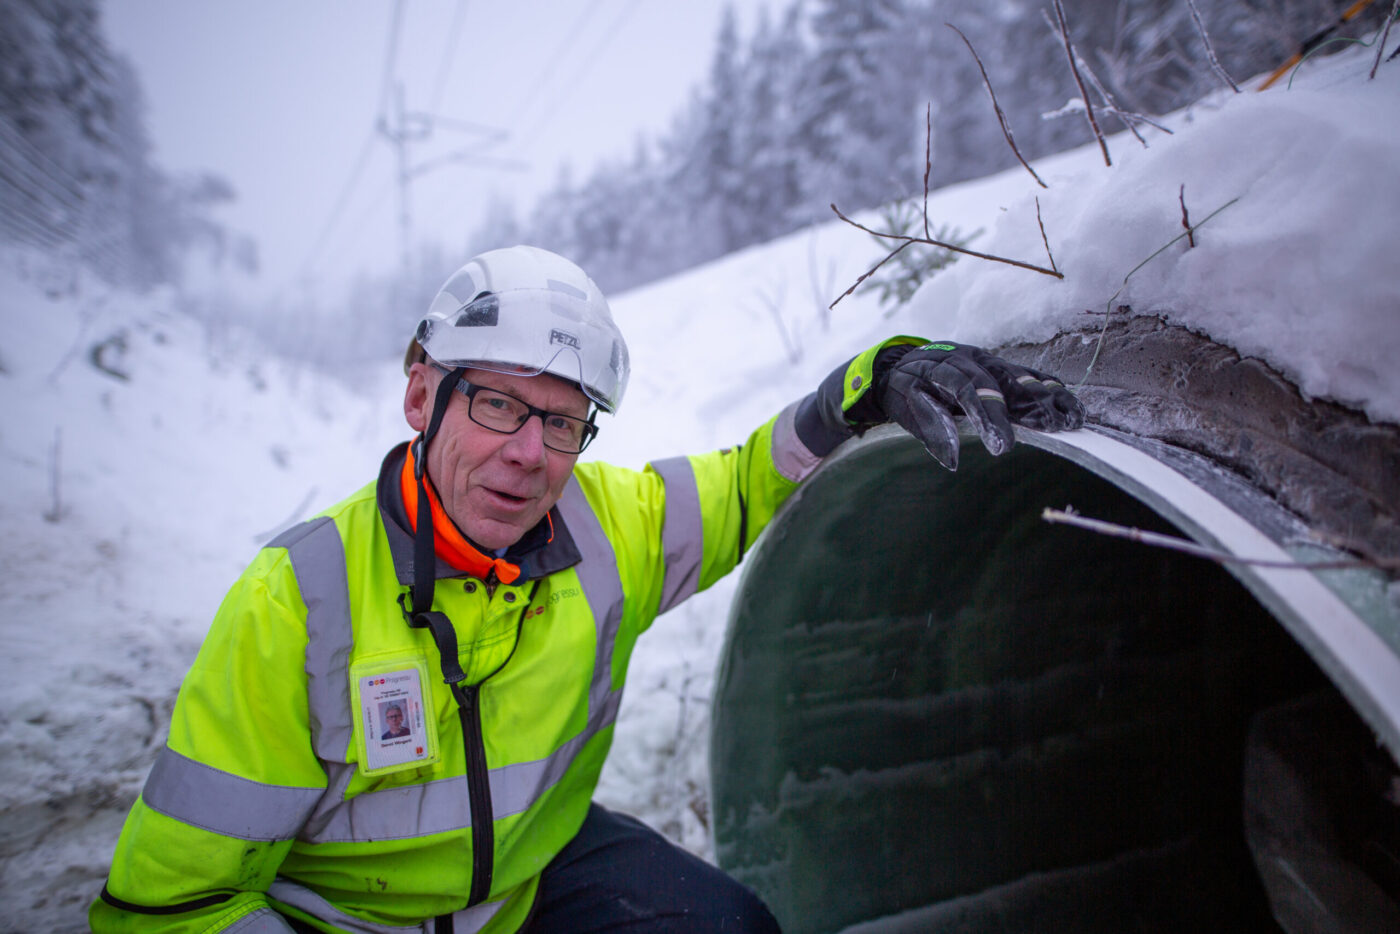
x=395, y=731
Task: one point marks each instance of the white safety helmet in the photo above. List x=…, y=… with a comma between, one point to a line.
x=525, y=311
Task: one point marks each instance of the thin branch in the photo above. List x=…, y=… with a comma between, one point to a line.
x=907, y=240
x=1130, y=118
x=1109, y=105
x=819, y=289
x=1001, y=114
x=1108, y=306
x=56, y=509
x=772, y=302
x=1380, y=46
x=928, y=159
x=1314, y=43
x=1191, y=548
x=873, y=269
x=1186, y=218
x=947, y=246
x=1043, y=238
x=1083, y=92
x=1215, y=65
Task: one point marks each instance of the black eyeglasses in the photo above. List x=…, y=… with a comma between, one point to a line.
x=500, y=411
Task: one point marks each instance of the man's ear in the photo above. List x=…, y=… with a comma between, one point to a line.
x=418, y=396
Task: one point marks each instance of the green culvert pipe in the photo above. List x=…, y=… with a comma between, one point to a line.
x=937, y=712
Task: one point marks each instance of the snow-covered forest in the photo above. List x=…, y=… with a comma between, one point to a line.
x=826, y=103
x=154, y=437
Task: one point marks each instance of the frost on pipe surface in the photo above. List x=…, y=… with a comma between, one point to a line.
x=936, y=712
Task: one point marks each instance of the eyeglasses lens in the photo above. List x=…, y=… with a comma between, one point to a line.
x=504, y=413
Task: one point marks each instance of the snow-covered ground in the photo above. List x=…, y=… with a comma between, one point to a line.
x=131, y=495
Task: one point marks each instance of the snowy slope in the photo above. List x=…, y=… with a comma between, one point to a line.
x=167, y=481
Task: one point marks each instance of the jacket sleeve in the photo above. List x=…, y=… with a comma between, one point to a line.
x=235, y=780
x=716, y=504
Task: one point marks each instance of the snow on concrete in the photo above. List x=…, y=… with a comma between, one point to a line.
x=1297, y=270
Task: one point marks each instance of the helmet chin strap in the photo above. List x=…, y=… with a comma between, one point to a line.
x=424, y=558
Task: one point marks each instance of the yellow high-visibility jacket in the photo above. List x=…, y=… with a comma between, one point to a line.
x=276, y=795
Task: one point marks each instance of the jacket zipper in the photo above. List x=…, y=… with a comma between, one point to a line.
x=478, y=792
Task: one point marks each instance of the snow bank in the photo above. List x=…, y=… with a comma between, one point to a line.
x=1298, y=270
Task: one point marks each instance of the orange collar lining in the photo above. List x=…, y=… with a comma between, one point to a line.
x=448, y=541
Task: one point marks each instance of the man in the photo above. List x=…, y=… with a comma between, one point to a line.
x=393, y=719
x=491, y=581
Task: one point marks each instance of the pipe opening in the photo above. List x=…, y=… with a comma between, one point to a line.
x=936, y=712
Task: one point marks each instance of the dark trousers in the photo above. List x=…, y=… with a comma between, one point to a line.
x=619, y=875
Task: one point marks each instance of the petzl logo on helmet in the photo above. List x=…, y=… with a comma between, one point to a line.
x=557, y=336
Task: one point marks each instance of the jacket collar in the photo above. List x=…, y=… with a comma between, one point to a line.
x=535, y=554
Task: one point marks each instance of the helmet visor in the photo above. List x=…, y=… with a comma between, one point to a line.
x=532, y=331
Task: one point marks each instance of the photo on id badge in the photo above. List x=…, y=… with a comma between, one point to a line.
x=391, y=703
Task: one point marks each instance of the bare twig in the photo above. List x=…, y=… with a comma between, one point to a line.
x=1215, y=65
x=1083, y=92
x=1069, y=517
x=873, y=269
x=55, y=510
x=928, y=158
x=101, y=353
x=1313, y=43
x=1130, y=119
x=1380, y=46
x=1110, y=106
x=1108, y=306
x=1186, y=218
x=822, y=288
x=772, y=301
x=1001, y=114
x=948, y=246
x=1043, y=238
x=907, y=240
x=1107, y=103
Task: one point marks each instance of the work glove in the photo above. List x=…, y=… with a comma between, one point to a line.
x=922, y=388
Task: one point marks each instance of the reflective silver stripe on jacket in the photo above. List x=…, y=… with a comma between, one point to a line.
x=436, y=807
x=441, y=806
x=466, y=921
x=598, y=575
x=203, y=796
x=262, y=921
x=683, y=534
x=318, y=558
x=791, y=457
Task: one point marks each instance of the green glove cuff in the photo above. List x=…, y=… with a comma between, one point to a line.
x=860, y=372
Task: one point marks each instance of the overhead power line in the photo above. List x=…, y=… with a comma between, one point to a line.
x=341, y=201
x=449, y=53
x=569, y=41
x=386, y=85
x=576, y=79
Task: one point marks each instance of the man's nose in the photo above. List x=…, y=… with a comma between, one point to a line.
x=526, y=446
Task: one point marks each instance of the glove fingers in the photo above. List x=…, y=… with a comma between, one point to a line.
x=933, y=424
x=1035, y=399
x=924, y=386
x=918, y=409
x=981, y=401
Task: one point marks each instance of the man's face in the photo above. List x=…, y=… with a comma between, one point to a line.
x=496, y=487
x=394, y=718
